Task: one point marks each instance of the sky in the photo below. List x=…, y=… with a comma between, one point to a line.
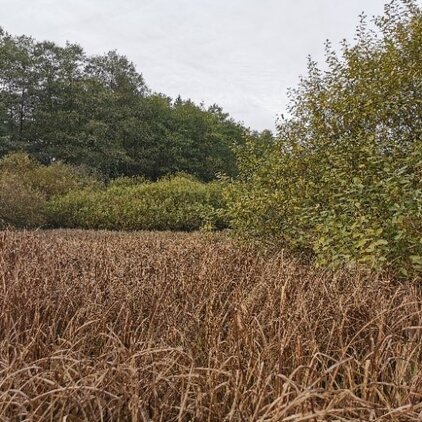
x=240, y=54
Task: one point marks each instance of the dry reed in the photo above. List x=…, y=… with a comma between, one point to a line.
x=99, y=326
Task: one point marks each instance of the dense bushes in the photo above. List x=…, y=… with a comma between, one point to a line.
x=343, y=181
x=26, y=186
x=366, y=210
x=20, y=205
x=176, y=203
x=33, y=195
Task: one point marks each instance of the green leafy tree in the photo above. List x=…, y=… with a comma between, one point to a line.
x=343, y=180
x=57, y=103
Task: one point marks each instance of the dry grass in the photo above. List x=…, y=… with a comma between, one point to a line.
x=167, y=327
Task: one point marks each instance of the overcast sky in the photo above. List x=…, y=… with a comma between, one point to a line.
x=240, y=54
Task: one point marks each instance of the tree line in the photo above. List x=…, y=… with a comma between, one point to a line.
x=59, y=103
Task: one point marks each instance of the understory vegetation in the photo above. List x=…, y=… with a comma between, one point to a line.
x=34, y=195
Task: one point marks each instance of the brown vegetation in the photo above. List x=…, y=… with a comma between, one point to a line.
x=191, y=327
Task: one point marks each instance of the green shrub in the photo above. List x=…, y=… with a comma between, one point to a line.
x=343, y=180
x=58, y=195
x=365, y=210
x=172, y=203
x=20, y=205
x=26, y=186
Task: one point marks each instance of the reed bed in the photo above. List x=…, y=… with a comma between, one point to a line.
x=102, y=326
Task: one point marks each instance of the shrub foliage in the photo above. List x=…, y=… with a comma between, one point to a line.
x=173, y=203
x=33, y=195
x=26, y=186
x=343, y=180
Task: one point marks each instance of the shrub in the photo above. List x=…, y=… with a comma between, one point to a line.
x=20, y=205
x=26, y=186
x=172, y=203
x=62, y=196
x=343, y=181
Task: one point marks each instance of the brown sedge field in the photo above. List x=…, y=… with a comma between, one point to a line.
x=108, y=326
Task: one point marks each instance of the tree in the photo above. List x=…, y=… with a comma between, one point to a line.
x=17, y=82
x=342, y=181
x=57, y=103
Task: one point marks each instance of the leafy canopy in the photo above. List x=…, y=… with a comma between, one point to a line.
x=58, y=103
x=343, y=180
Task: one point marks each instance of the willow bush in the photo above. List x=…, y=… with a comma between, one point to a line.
x=173, y=203
x=58, y=195
x=342, y=181
x=26, y=186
